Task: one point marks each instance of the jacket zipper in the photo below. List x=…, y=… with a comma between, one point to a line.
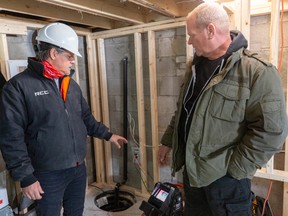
x=202, y=90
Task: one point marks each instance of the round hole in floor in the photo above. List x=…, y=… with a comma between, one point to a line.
x=114, y=200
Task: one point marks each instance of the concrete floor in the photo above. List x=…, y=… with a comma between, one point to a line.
x=92, y=210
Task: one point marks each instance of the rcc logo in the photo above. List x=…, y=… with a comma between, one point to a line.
x=41, y=93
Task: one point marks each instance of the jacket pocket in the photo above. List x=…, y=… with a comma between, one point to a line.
x=272, y=116
x=229, y=102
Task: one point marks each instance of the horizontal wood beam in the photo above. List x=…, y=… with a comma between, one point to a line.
x=278, y=175
x=155, y=26
x=111, y=10
x=35, y=8
x=23, y=24
x=256, y=9
x=168, y=8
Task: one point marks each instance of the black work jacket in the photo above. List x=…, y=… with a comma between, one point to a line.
x=38, y=131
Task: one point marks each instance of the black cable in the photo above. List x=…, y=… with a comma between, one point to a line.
x=97, y=187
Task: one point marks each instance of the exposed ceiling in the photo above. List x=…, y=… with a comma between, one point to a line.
x=100, y=15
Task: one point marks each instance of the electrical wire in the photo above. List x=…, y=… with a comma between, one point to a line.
x=267, y=197
x=132, y=128
x=138, y=168
x=97, y=187
x=139, y=165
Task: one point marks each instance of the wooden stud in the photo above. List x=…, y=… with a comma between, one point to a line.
x=4, y=57
x=140, y=108
x=241, y=18
x=95, y=100
x=285, y=186
x=105, y=106
x=154, y=103
x=274, y=32
x=245, y=19
x=274, y=49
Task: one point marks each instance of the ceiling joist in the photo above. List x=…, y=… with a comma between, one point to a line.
x=168, y=8
x=111, y=10
x=98, y=15
x=48, y=11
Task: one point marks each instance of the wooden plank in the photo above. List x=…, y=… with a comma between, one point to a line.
x=140, y=108
x=40, y=9
x=155, y=26
x=4, y=56
x=112, y=10
x=168, y=7
x=154, y=103
x=245, y=19
x=285, y=186
x=274, y=32
x=105, y=106
x=95, y=101
x=241, y=18
x=278, y=175
x=263, y=9
x=33, y=24
x=76, y=74
x=12, y=29
x=273, y=58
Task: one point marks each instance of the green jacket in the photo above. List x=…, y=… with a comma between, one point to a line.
x=239, y=122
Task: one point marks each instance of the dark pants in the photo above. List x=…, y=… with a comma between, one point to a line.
x=226, y=196
x=62, y=188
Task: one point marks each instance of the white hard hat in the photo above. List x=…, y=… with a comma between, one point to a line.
x=60, y=35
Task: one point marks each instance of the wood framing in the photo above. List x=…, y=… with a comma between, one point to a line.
x=105, y=106
x=113, y=10
x=155, y=26
x=54, y=12
x=140, y=108
x=168, y=7
x=269, y=172
x=94, y=89
x=4, y=57
x=154, y=103
x=285, y=189
x=98, y=73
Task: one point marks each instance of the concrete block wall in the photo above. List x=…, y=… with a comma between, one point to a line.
x=170, y=57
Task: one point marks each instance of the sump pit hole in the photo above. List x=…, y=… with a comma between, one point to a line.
x=114, y=200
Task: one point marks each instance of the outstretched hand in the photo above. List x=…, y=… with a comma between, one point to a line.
x=163, y=155
x=118, y=140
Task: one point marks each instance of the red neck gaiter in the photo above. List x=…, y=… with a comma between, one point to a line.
x=50, y=71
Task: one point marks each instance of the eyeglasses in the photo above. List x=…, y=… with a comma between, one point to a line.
x=68, y=56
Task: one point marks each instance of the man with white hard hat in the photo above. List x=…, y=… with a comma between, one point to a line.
x=44, y=123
